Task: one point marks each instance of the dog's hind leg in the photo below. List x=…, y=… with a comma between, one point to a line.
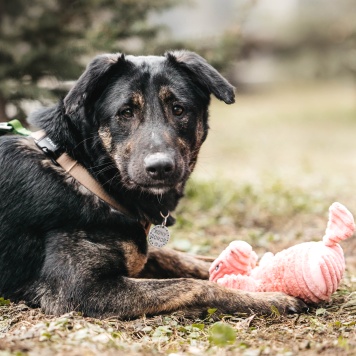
x=168, y=263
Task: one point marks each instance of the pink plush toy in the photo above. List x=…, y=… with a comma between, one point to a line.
x=311, y=270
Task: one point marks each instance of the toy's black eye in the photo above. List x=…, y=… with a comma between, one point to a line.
x=217, y=267
x=178, y=110
x=126, y=113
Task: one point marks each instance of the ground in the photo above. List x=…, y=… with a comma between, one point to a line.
x=272, y=165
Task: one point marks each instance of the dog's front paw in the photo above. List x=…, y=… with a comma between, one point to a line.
x=272, y=302
x=286, y=304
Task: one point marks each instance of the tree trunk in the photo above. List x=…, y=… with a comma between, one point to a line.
x=3, y=116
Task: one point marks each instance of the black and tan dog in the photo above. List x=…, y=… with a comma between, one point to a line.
x=136, y=124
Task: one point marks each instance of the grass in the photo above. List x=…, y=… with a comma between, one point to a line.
x=270, y=168
x=258, y=215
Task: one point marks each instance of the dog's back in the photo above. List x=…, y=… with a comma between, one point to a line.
x=22, y=251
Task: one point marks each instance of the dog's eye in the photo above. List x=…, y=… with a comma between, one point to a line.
x=126, y=113
x=177, y=110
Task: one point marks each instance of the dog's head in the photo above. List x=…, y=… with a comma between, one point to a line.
x=148, y=114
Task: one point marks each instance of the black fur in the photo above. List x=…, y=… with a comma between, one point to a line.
x=62, y=248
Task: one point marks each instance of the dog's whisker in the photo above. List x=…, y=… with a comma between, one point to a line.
x=86, y=139
x=112, y=179
x=105, y=169
x=102, y=165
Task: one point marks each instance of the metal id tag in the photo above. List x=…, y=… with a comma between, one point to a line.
x=159, y=234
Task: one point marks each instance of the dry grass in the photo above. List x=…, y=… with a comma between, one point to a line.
x=272, y=165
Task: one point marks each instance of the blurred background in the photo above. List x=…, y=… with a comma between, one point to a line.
x=288, y=144
x=255, y=43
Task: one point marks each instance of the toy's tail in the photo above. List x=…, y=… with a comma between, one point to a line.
x=340, y=226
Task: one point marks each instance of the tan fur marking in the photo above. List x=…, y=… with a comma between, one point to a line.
x=199, y=133
x=27, y=143
x=199, y=141
x=68, y=179
x=183, y=146
x=47, y=163
x=135, y=261
x=138, y=99
x=164, y=93
x=167, y=137
x=178, y=301
x=128, y=149
x=106, y=138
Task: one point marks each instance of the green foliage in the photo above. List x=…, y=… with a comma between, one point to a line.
x=211, y=311
x=343, y=343
x=4, y=302
x=45, y=40
x=221, y=334
x=320, y=312
x=244, y=205
x=119, y=20
x=220, y=51
x=162, y=333
x=275, y=311
x=214, y=213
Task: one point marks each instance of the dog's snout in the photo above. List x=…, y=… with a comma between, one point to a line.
x=159, y=165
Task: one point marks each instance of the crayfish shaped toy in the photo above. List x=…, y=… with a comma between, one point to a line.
x=311, y=271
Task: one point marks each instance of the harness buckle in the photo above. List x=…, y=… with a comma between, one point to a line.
x=49, y=148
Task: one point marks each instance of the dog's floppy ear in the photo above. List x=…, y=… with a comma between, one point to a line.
x=93, y=81
x=204, y=74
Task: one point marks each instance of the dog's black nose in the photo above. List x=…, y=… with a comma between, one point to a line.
x=159, y=165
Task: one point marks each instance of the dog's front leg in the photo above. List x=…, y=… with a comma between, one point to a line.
x=127, y=298
x=94, y=273
x=168, y=263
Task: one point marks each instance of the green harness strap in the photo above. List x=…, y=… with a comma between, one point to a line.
x=13, y=126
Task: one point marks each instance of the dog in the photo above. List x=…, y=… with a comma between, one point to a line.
x=136, y=124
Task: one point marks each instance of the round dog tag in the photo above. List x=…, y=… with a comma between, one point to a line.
x=158, y=236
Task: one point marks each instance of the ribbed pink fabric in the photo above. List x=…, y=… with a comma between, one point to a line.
x=311, y=271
